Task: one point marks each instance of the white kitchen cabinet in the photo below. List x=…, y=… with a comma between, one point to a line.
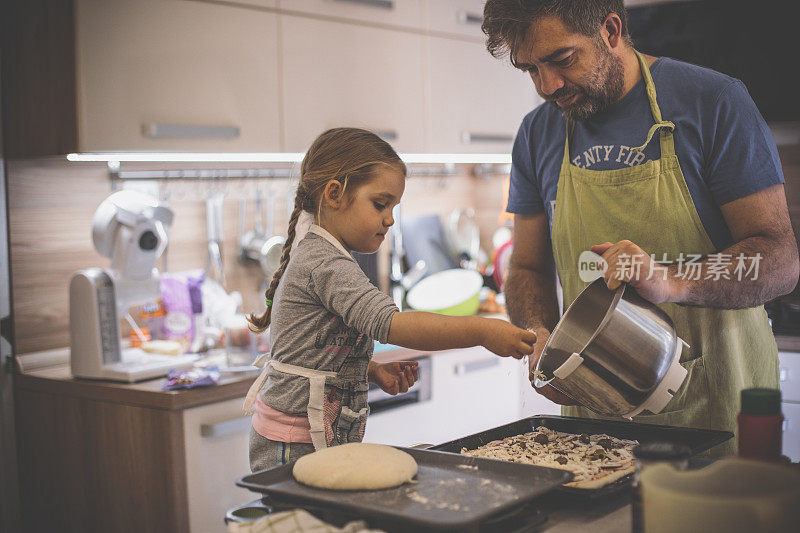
x=476, y=389
x=789, y=375
x=463, y=17
x=477, y=102
x=471, y=390
x=273, y=4
x=400, y=13
x=176, y=75
x=216, y=446
x=532, y=402
x=338, y=74
x=409, y=425
x=791, y=430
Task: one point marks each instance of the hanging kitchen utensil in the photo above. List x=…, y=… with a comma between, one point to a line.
x=464, y=237
x=423, y=238
x=214, y=267
x=263, y=247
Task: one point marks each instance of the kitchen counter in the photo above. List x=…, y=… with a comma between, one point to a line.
x=57, y=379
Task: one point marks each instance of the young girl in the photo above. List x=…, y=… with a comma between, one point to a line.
x=325, y=314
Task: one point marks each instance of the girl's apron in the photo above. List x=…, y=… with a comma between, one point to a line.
x=337, y=401
x=650, y=205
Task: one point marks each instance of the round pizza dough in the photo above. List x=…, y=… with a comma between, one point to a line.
x=355, y=466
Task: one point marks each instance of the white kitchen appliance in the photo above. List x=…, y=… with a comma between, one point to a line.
x=130, y=228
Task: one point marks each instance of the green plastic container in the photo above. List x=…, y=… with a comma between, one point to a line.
x=454, y=292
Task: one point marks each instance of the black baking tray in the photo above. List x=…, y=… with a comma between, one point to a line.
x=698, y=440
x=452, y=492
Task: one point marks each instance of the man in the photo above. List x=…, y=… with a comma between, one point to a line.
x=645, y=161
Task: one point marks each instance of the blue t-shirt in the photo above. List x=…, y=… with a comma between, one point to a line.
x=724, y=147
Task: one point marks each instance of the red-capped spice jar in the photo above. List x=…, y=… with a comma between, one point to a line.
x=760, y=424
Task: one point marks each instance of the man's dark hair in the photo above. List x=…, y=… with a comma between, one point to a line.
x=506, y=22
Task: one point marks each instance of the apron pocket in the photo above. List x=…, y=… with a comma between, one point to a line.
x=691, y=404
x=346, y=412
x=351, y=424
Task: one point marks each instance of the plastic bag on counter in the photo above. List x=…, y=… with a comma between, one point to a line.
x=189, y=378
x=181, y=299
x=218, y=305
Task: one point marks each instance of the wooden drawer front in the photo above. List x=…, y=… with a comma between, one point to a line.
x=789, y=373
x=401, y=13
x=216, y=441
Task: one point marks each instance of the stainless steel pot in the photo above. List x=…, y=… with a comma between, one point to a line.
x=614, y=352
x=260, y=245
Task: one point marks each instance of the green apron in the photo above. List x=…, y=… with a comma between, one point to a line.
x=650, y=205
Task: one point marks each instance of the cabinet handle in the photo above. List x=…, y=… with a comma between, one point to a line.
x=473, y=366
x=784, y=374
x=387, y=135
x=383, y=4
x=465, y=17
x=189, y=131
x=227, y=427
x=468, y=137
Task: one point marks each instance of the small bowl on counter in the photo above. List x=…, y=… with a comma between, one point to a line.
x=454, y=292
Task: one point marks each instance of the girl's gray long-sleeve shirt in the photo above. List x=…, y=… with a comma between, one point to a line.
x=324, y=310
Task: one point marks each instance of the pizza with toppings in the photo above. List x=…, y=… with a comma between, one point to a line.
x=595, y=460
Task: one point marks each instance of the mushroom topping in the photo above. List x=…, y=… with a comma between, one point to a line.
x=605, y=443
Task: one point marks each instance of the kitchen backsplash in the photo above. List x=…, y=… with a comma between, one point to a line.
x=52, y=202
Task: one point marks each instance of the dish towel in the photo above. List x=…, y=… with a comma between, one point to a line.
x=296, y=521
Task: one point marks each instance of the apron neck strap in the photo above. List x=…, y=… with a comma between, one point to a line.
x=667, y=147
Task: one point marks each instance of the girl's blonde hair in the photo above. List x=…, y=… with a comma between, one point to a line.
x=348, y=155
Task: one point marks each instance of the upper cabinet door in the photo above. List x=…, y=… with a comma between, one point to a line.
x=477, y=102
x=337, y=74
x=176, y=75
x=402, y=13
x=463, y=17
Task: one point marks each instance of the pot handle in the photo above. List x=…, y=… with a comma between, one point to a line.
x=569, y=366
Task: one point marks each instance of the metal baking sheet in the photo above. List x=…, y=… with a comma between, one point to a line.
x=698, y=440
x=451, y=491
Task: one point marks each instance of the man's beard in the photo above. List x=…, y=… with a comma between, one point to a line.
x=601, y=88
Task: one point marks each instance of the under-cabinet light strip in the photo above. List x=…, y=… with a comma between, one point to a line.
x=255, y=157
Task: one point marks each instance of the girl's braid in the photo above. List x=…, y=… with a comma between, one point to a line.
x=261, y=323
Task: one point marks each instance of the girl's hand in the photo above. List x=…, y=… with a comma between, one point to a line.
x=394, y=377
x=506, y=339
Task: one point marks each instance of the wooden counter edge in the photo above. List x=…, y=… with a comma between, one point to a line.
x=129, y=394
x=59, y=381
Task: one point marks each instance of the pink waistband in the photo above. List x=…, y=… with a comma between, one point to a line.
x=277, y=425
